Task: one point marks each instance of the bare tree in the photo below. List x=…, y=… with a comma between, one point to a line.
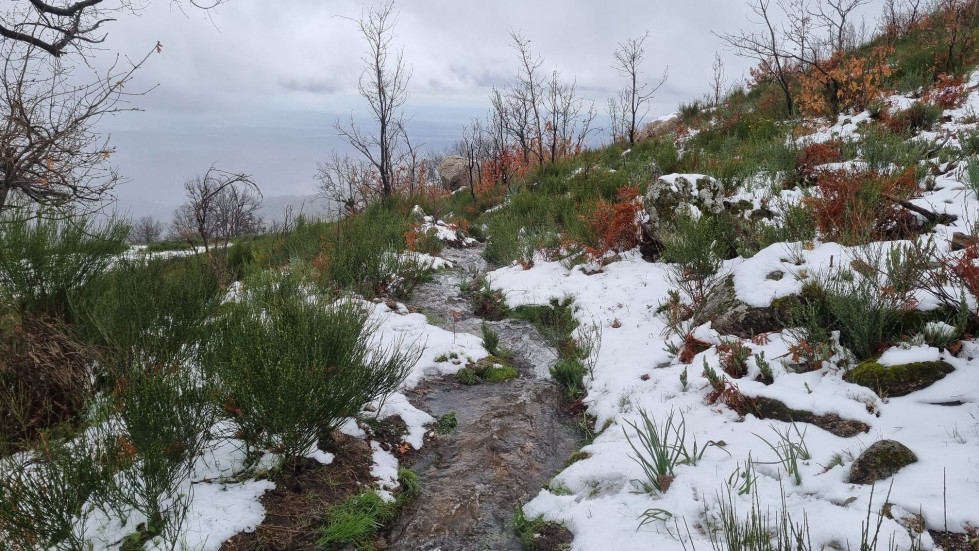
x=146, y=230
x=60, y=26
x=717, y=79
x=767, y=47
x=525, y=98
x=347, y=182
x=219, y=205
x=49, y=151
x=633, y=101
x=384, y=84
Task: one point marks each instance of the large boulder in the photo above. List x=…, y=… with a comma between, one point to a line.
x=898, y=380
x=881, y=460
x=454, y=171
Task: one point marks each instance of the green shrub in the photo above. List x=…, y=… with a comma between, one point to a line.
x=570, y=374
x=694, y=248
x=288, y=370
x=555, y=322
x=43, y=492
x=166, y=416
x=147, y=309
x=43, y=261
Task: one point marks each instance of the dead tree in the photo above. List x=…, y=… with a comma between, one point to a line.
x=347, y=182
x=50, y=153
x=62, y=26
x=146, y=230
x=525, y=98
x=384, y=84
x=633, y=101
x=219, y=205
x=767, y=47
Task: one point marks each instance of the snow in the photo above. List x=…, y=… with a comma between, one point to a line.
x=598, y=498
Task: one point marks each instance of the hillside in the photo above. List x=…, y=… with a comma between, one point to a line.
x=756, y=327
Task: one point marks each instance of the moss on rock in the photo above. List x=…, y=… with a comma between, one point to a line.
x=898, y=380
x=881, y=460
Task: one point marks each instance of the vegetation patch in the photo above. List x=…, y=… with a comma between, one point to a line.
x=898, y=380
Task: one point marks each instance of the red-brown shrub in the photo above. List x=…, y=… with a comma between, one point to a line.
x=615, y=225
x=948, y=92
x=858, y=207
x=815, y=155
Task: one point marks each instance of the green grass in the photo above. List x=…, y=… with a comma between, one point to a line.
x=357, y=520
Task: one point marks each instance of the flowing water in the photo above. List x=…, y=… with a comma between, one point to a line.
x=511, y=438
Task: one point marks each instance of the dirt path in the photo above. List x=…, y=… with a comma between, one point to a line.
x=511, y=437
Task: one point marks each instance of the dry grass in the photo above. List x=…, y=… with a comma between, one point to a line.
x=45, y=378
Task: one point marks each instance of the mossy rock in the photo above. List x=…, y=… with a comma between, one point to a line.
x=898, y=380
x=730, y=316
x=881, y=460
x=487, y=370
x=770, y=408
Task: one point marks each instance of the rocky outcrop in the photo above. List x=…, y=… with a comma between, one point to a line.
x=881, y=460
x=677, y=193
x=730, y=316
x=898, y=380
x=454, y=171
x=770, y=408
x=658, y=128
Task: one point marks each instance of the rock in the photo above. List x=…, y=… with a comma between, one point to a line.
x=454, y=171
x=674, y=193
x=897, y=380
x=730, y=316
x=658, y=128
x=881, y=460
x=770, y=408
x=961, y=241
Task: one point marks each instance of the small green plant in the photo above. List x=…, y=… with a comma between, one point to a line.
x=570, y=374
x=767, y=375
x=683, y=379
x=489, y=304
x=743, y=478
x=790, y=450
x=531, y=530
x=491, y=339
x=756, y=531
x=661, y=449
x=972, y=170
x=447, y=423
x=357, y=520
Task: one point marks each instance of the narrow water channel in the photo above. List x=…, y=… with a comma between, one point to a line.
x=511, y=438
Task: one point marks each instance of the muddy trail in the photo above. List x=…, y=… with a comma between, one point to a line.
x=511, y=436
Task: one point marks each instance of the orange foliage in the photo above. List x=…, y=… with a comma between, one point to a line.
x=843, y=81
x=616, y=225
x=966, y=269
x=855, y=207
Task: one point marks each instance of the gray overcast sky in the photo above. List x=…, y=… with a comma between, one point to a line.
x=255, y=85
